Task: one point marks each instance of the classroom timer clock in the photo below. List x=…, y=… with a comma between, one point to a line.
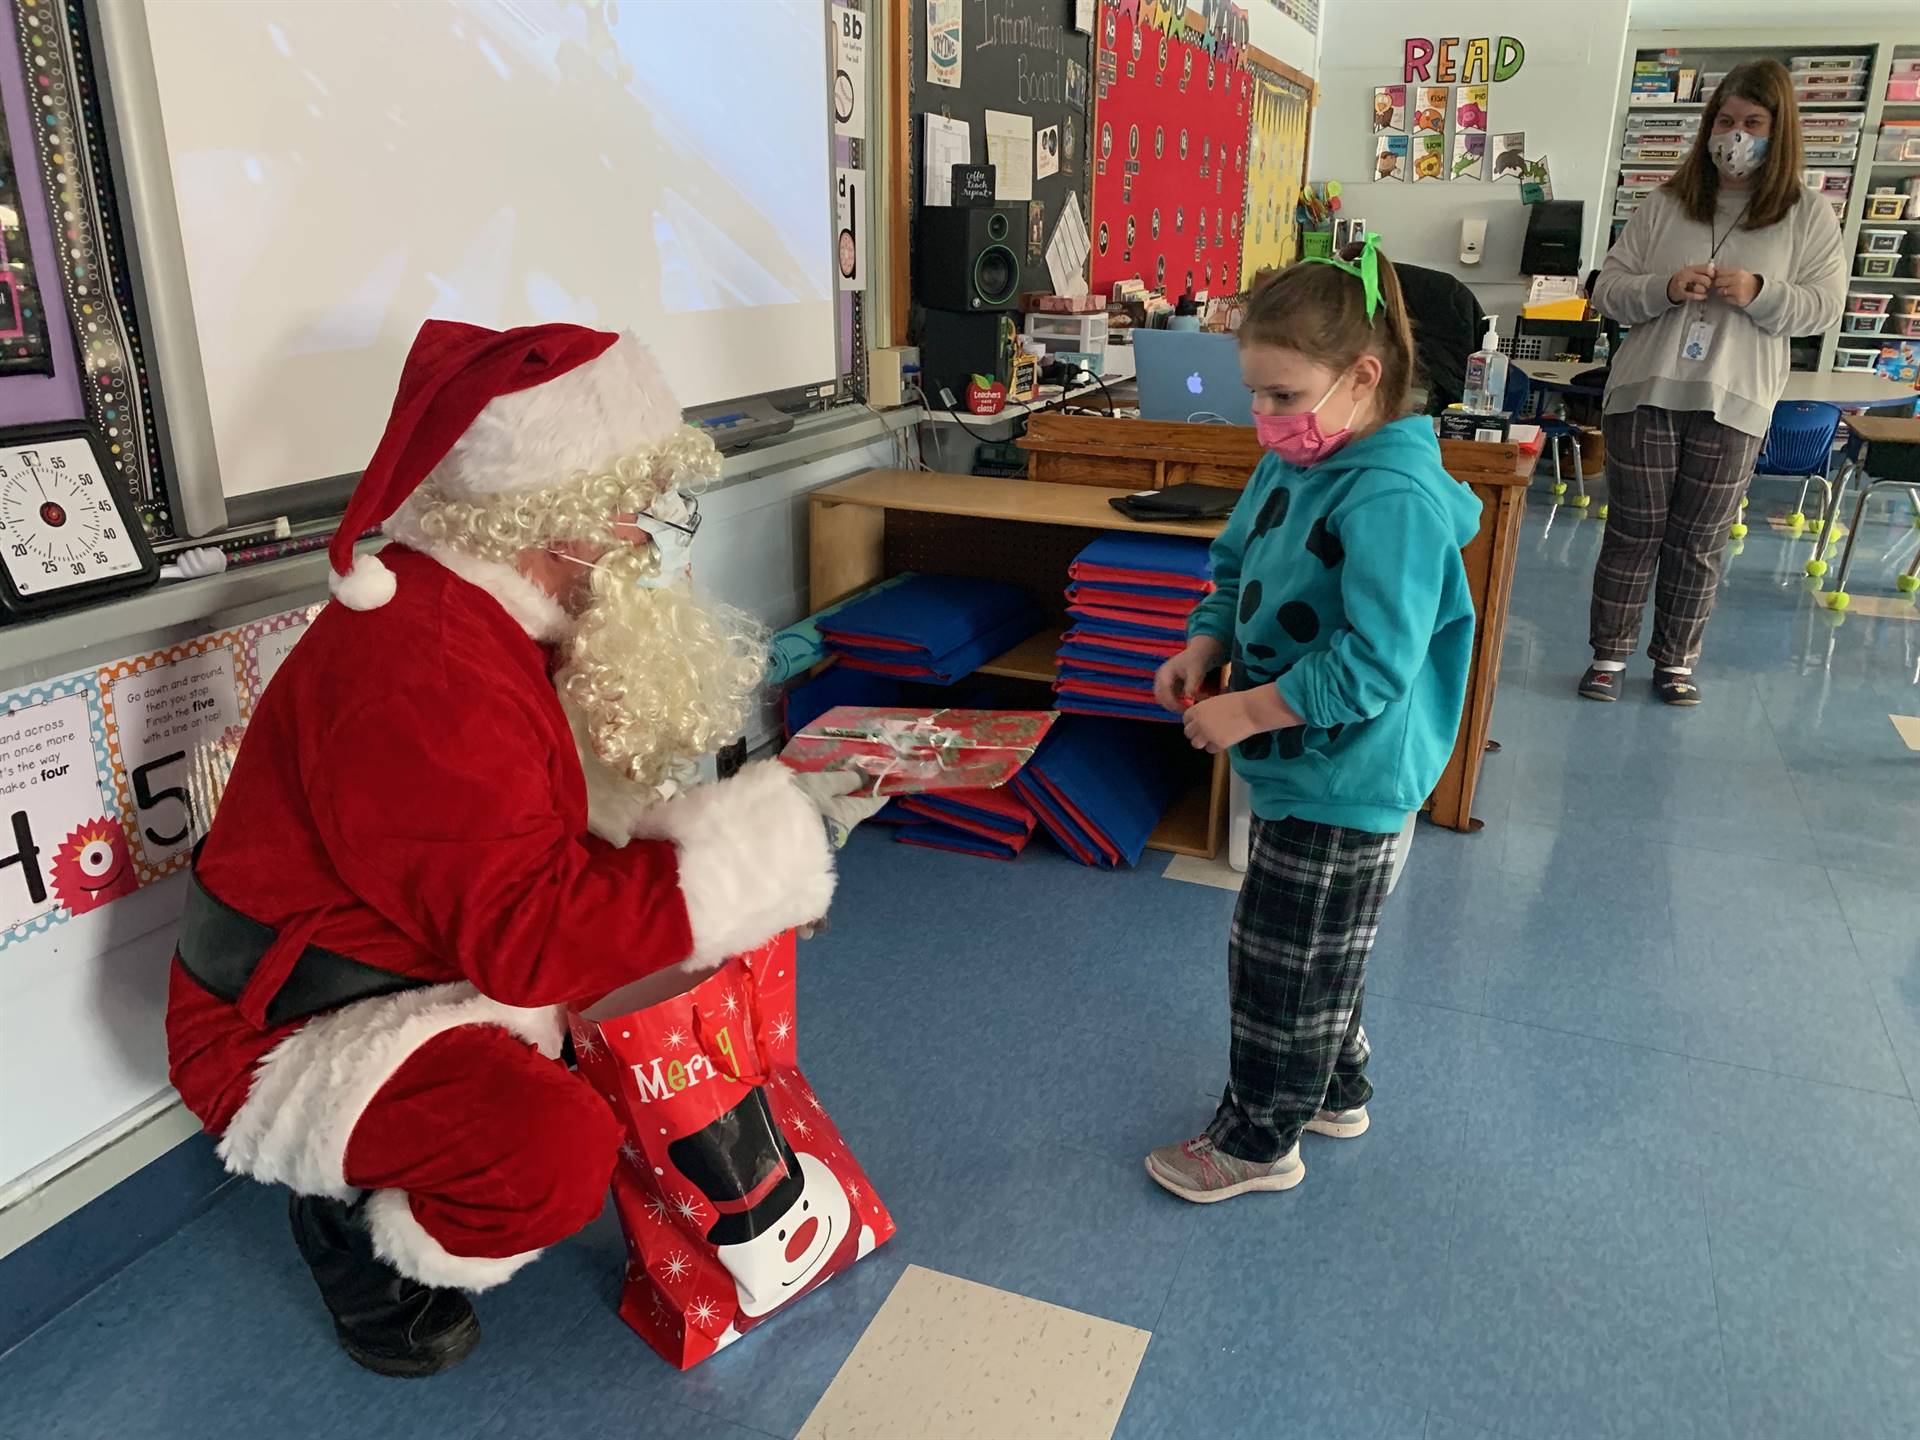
x=68, y=534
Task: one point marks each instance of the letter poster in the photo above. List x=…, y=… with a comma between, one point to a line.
x=1170, y=160
x=62, y=850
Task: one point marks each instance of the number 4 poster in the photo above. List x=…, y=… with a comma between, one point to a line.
x=61, y=847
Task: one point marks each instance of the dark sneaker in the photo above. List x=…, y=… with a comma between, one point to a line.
x=1200, y=1171
x=1674, y=688
x=1598, y=684
x=386, y=1322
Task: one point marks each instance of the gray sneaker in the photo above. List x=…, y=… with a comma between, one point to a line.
x=1200, y=1171
x=1341, y=1124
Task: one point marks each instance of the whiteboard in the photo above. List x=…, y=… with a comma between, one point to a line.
x=340, y=172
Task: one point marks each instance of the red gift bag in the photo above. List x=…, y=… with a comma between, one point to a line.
x=735, y=1191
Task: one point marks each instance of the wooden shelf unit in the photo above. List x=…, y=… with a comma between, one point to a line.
x=1027, y=530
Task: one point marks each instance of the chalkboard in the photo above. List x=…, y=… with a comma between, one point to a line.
x=1021, y=56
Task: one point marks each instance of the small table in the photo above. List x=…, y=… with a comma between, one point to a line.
x=1850, y=391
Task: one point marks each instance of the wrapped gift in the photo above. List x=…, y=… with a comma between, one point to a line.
x=735, y=1190
x=905, y=752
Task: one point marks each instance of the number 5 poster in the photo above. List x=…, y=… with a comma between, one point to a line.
x=159, y=708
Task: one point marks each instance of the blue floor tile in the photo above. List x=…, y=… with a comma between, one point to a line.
x=1643, y=1148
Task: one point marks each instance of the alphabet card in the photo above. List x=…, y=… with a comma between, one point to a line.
x=1390, y=157
x=1389, y=109
x=1429, y=158
x=1470, y=109
x=1469, y=156
x=1509, y=153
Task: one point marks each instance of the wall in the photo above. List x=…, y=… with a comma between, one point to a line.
x=80, y=1028
x=1284, y=38
x=1563, y=97
x=1754, y=15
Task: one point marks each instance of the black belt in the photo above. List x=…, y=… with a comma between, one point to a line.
x=221, y=948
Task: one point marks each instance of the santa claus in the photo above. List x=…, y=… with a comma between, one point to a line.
x=462, y=805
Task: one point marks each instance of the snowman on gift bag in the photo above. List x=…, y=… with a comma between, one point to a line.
x=783, y=1219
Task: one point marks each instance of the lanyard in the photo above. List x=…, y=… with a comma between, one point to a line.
x=1718, y=241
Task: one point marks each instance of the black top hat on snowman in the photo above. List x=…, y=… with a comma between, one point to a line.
x=744, y=1166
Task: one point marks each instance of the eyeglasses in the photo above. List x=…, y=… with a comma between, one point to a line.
x=688, y=527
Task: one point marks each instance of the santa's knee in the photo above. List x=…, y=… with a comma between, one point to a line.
x=480, y=1153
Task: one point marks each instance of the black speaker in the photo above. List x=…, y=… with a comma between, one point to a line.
x=958, y=344
x=968, y=258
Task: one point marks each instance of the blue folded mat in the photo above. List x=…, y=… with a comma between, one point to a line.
x=1142, y=682
x=1117, y=709
x=1136, y=664
x=1100, y=625
x=1120, y=776
x=946, y=804
x=933, y=615
x=1170, y=554
x=955, y=665
x=932, y=835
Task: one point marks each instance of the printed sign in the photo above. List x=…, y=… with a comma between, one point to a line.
x=849, y=73
x=51, y=767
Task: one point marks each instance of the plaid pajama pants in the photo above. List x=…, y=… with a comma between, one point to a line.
x=1296, y=973
x=1674, y=482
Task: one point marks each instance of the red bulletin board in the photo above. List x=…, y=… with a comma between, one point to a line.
x=1169, y=143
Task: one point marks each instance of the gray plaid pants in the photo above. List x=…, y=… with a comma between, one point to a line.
x=1296, y=973
x=1674, y=482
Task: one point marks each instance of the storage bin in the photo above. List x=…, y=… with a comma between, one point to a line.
x=1907, y=66
x=1913, y=266
x=1869, y=302
x=1899, y=140
x=1885, y=205
x=1906, y=304
x=1857, y=323
x=1828, y=94
x=1876, y=267
x=1845, y=359
x=1831, y=154
x=1905, y=88
x=1827, y=62
x=1881, y=242
x=1908, y=325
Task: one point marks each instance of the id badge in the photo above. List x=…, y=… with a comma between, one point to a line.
x=1699, y=341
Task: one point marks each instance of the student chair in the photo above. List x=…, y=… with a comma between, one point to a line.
x=1799, y=445
x=1891, y=447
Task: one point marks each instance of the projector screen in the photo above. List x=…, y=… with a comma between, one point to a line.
x=343, y=171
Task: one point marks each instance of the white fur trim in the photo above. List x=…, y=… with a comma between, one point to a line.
x=310, y=1090
x=754, y=858
x=616, y=403
x=403, y=1242
x=532, y=609
x=367, y=586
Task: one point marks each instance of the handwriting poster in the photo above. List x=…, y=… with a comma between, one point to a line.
x=268, y=642
x=1169, y=156
x=62, y=848
x=158, y=708
x=1276, y=169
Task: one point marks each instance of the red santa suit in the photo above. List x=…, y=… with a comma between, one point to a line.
x=410, y=800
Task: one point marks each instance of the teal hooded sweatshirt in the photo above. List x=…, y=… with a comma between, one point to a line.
x=1342, y=583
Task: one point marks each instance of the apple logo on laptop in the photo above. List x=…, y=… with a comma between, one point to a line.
x=1195, y=384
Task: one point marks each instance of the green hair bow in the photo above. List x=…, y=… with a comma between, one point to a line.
x=1366, y=269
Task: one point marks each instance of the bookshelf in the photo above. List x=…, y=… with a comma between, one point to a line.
x=1841, y=131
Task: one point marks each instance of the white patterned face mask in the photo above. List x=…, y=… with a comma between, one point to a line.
x=671, y=522
x=1736, y=154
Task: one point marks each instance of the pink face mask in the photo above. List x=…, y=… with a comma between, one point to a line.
x=1298, y=439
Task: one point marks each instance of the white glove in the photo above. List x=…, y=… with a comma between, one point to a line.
x=832, y=794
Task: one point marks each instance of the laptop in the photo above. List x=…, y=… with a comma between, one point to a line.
x=1183, y=375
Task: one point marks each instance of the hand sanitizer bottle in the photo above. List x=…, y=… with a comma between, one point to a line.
x=1486, y=378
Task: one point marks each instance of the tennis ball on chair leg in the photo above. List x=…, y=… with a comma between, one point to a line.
x=1580, y=502
x=1738, y=530
x=1796, y=522
x=1601, y=512
x=1839, y=600
x=1816, y=566
x=1906, y=584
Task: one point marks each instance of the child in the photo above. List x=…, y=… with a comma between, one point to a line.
x=1342, y=602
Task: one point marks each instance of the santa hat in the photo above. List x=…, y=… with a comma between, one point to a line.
x=489, y=412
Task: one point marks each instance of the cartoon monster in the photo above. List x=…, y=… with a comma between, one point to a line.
x=93, y=866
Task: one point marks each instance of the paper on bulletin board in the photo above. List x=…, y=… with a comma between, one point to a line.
x=943, y=43
x=1390, y=157
x=268, y=642
x=949, y=143
x=1509, y=154
x=1470, y=108
x=62, y=849
x=1010, y=152
x=849, y=72
x=1389, y=109
x=1068, y=250
x=159, y=707
x=849, y=233
x=1429, y=158
x=1469, y=157
x=1046, y=152
x=1430, y=112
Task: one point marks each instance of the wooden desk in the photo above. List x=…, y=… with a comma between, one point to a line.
x=1153, y=454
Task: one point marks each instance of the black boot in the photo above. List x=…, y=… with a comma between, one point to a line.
x=386, y=1322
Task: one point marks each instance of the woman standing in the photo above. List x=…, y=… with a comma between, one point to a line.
x=1715, y=272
